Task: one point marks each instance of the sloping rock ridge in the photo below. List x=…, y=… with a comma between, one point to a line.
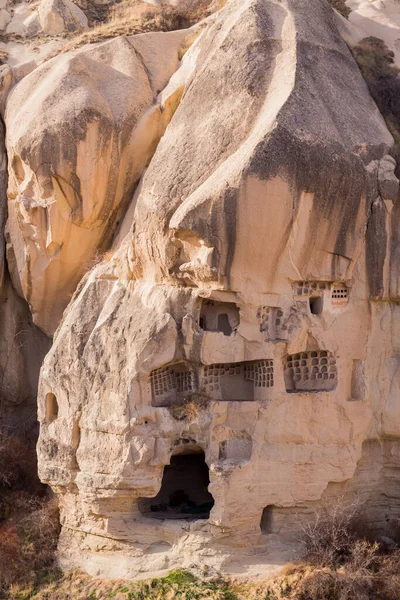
x=81, y=128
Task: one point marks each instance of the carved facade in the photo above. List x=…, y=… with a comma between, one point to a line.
x=237, y=360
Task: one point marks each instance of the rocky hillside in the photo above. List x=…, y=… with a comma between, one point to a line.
x=200, y=243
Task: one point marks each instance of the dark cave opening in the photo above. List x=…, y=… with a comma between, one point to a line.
x=184, y=490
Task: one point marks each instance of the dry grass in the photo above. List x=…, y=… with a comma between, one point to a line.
x=178, y=584
x=191, y=408
x=131, y=17
x=28, y=542
x=359, y=571
x=29, y=520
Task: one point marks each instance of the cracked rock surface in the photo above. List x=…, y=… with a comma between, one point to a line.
x=242, y=339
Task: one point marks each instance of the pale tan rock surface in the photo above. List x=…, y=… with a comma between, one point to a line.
x=81, y=129
x=56, y=16
x=377, y=18
x=22, y=345
x=5, y=18
x=49, y=17
x=254, y=285
x=25, y=20
x=21, y=53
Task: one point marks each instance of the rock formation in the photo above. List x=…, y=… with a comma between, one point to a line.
x=80, y=130
x=378, y=19
x=237, y=359
x=22, y=345
x=179, y=4
x=57, y=16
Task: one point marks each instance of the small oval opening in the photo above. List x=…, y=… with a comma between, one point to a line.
x=51, y=407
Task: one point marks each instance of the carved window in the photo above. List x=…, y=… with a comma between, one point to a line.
x=221, y=317
x=310, y=372
x=307, y=288
x=170, y=385
x=339, y=295
x=358, y=380
x=316, y=305
x=238, y=381
x=267, y=519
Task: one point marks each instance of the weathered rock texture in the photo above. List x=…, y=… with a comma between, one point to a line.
x=179, y=4
x=22, y=345
x=48, y=17
x=57, y=16
x=80, y=130
x=378, y=18
x=251, y=313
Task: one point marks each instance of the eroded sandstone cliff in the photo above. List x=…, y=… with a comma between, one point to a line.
x=80, y=130
x=236, y=360
x=232, y=360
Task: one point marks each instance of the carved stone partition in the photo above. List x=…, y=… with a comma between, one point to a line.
x=170, y=385
x=246, y=381
x=339, y=295
x=310, y=372
x=335, y=293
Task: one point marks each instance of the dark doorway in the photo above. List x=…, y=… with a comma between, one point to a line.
x=224, y=324
x=219, y=316
x=184, y=490
x=316, y=305
x=267, y=519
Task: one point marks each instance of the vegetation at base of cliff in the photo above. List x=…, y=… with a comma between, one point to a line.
x=338, y=564
x=29, y=519
x=178, y=584
x=341, y=560
x=340, y=6
x=376, y=63
x=366, y=574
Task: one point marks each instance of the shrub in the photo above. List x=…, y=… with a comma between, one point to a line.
x=376, y=63
x=19, y=483
x=329, y=538
x=191, y=408
x=10, y=563
x=20, y=488
x=28, y=545
x=340, y=6
x=29, y=522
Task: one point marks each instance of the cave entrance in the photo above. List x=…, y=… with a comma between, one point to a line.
x=184, y=490
x=316, y=305
x=219, y=316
